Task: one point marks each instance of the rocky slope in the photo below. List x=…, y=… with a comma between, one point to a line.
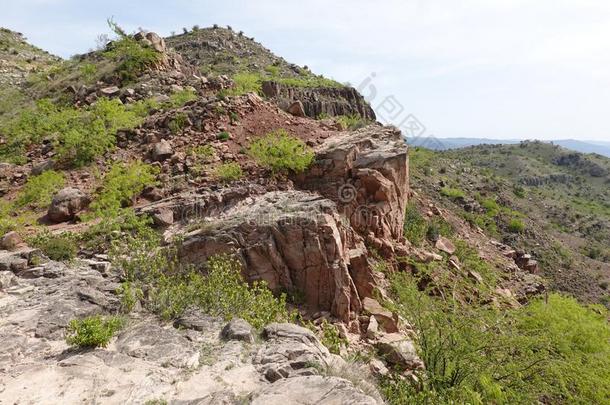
x=18, y=58
x=137, y=223
x=560, y=196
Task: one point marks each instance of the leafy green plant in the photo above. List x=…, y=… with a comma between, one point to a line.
x=180, y=98
x=93, y=331
x=55, y=247
x=88, y=71
x=223, y=136
x=273, y=70
x=178, y=123
x=415, y=226
x=230, y=171
x=172, y=287
x=79, y=135
x=133, y=57
x=515, y=225
x=245, y=83
x=480, y=355
x=331, y=337
x=452, y=193
x=96, y=135
x=350, y=122
x=281, y=152
x=39, y=190
x=120, y=185
x=205, y=152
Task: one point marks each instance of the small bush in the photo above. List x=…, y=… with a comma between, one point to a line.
x=117, y=226
x=133, y=57
x=350, y=122
x=172, y=287
x=178, y=123
x=39, y=190
x=229, y=171
x=331, y=338
x=452, y=193
x=282, y=152
x=121, y=184
x=515, y=225
x=415, y=227
x=55, y=247
x=96, y=135
x=519, y=191
x=88, y=71
x=480, y=355
x=273, y=70
x=93, y=331
x=223, y=136
x=205, y=152
x=309, y=80
x=180, y=98
x=245, y=83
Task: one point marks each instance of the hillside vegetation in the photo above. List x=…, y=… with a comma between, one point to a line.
x=165, y=224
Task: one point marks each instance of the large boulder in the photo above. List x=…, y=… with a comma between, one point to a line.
x=399, y=352
x=293, y=240
x=66, y=204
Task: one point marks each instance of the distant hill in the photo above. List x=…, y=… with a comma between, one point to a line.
x=560, y=198
x=602, y=148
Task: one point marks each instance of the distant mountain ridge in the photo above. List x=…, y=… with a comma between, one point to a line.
x=434, y=143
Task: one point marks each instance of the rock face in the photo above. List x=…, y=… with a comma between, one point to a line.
x=295, y=241
x=321, y=100
x=366, y=173
x=148, y=360
x=66, y=204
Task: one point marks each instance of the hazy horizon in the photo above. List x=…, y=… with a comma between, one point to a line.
x=507, y=70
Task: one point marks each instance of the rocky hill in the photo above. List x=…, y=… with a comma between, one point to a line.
x=534, y=196
x=18, y=58
x=194, y=220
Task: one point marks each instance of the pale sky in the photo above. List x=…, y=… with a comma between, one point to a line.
x=471, y=68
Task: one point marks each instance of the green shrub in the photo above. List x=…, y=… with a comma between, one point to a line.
x=88, y=71
x=145, y=107
x=331, y=338
x=39, y=190
x=245, y=83
x=79, y=145
x=515, y=225
x=172, y=287
x=415, y=226
x=116, y=226
x=273, y=70
x=553, y=351
x=519, y=191
x=223, y=136
x=308, y=81
x=121, y=184
x=180, y=98
x=55, y=247
x=132, y=56
x=229, y=171
x=79, y=135
x=205, y=152
x=452, y=193
x=178, y=123
x=93, y=331
x=282, y=152
x=350, y=122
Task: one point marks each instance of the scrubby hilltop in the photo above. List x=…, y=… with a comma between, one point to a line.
x=193, y=219
x=546, y=200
